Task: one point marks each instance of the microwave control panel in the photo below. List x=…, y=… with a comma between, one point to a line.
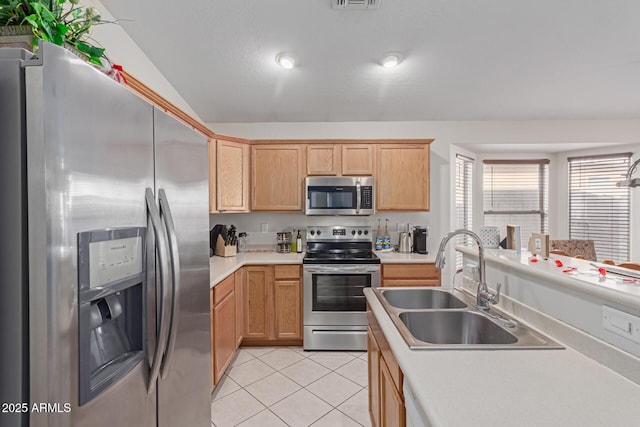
x=367, y=198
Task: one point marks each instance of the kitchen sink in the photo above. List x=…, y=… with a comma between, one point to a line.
x=454, y=327
x=421, y=298
x=443, y=319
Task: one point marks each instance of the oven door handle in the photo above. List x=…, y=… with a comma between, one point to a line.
x=342, y=269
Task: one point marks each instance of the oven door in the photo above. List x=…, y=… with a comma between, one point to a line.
x=333, y=294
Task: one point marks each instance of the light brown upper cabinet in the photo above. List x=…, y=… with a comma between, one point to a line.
x=212, y=176
x=357, y=159
x=402, y=177
x=340, y=159
x=232, y=171
x=277, y=177
x=323, y=159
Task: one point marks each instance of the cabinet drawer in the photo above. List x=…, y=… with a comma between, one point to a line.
x=286, y=272
x=410, y=271
x=222, y=289
x=410, y=282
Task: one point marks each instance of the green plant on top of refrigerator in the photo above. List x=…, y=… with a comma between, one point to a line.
x=62, y=22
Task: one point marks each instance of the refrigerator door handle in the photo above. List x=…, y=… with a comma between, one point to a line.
x=165, y=214
x=162, y=248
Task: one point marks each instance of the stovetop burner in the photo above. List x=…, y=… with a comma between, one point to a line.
x=340, y=245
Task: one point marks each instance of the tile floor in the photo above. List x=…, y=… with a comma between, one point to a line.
x=286, y=386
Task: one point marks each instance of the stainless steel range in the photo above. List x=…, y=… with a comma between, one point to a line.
x=338, y=265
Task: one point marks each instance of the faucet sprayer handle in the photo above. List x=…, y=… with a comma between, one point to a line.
x=496, y=297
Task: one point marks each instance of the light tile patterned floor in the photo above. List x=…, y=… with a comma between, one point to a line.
x=286, y=386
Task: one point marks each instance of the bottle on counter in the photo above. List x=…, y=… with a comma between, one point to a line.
x=299, y=243
x=386, y=239
x=379, y=238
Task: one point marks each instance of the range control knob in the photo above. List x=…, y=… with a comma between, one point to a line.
x=312, y=232
x=353, y=232
x=359, y=232
x=366, y=232
x=318, y=232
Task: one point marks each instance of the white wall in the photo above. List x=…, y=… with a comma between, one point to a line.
x=122, y=50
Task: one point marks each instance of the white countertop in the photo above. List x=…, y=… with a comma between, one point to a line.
x=511, y=387
x=584, y=279
x=221, y=267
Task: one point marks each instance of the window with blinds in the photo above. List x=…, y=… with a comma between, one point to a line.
x=464, y=198
x=598, y=210
x=516, y=192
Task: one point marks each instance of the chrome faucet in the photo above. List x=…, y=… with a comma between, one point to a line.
x=484, y=297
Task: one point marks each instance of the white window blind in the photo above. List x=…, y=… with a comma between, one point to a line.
x=464, y=199
x=516, y=192
x=598, y=210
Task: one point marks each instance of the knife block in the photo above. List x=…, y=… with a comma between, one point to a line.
x=224, y=251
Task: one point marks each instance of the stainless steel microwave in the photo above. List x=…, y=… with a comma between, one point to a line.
x=339, y=195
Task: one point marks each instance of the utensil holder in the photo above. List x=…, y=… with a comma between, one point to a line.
x=224, y=251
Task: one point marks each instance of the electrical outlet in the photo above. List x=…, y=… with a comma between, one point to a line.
x=621, y=323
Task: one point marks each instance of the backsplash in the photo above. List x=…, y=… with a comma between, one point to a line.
x=254, y=223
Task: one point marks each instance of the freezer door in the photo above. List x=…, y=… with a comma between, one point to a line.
x=182, y=186
x=14, y=366
x=90, y=159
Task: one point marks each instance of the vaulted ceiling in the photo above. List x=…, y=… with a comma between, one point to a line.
x=462, y=60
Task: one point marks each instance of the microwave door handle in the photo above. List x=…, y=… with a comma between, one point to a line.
x=358, y=197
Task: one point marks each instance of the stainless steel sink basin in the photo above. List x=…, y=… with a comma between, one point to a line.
x=454, y=327
x=439, y=319
x=421, y=298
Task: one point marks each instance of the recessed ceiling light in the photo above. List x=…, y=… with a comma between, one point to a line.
x=285, y=60
x=390, y=59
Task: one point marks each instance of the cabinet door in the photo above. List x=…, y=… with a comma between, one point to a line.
x=258, y=307
x=212, y=177
x=323, y=159
x=232, y=160
x=402, y=177
x=225, y=339
x=288, y=309
x=213, y=339
x=277, y=177
x=392, y=411
x=239, y=291
x=357, y=159
x=373, y=355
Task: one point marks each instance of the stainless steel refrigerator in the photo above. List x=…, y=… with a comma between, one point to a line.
x=104, y=281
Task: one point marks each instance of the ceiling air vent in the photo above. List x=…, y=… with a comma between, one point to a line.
x=355, y=4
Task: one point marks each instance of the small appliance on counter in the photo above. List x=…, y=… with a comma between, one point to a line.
x=404, y=242
x=420, y=234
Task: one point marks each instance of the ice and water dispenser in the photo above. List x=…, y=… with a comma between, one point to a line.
x=111, y=277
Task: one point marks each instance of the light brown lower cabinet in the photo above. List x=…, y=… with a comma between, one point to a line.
x=392, y=411
x=373, y=355
x=273, y=304
x=386, y=399
x=239, y=297
x=223, y=337
x=410, y=275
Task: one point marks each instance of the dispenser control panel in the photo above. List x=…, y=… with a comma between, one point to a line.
x=113, y=260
